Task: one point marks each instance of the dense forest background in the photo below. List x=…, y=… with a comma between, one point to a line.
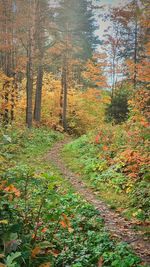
x=64, y=84
x=51, y=66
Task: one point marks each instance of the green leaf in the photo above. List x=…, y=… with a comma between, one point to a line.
x=11, y=258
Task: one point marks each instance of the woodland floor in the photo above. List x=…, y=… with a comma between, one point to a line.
x=118, y=227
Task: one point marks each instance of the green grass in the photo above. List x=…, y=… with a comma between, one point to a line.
x=48, y=222
x=114, y=199
x=82, y=157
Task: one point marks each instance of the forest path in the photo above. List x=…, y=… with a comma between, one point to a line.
x=115, y=224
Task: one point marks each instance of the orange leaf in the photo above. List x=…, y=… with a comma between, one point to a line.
x=63, y=224
x=46, y=264
x=2, y=185
x=35, y=252
x=55, y=252
x=105, y=148
x=44, y=230
x=12, y=189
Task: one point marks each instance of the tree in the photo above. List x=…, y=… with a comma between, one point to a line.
x=93, y=73
x=118, y=110
x=76, y=26
x=138, y=64
x=8, y=58
x=45, y=38
x=41, y=19
x=124, y=42
x=26, y=11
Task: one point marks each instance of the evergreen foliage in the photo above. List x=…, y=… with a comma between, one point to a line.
x=118, y=110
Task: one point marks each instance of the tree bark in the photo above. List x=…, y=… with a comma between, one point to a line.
x=29, y=69
x=61, y=98
x=38, y=95
x=65, y=93
x=29, y=84
x=6, y=99
x=135, y=53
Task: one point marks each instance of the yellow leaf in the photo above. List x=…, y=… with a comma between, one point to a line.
x=35, y=252
x=46, y=264
x=4, y=222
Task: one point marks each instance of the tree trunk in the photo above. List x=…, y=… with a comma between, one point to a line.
x=29, y=84
x=113, y=76
x=6, y=111
x=12, y=104
x=65, y=92
x=135, y=53
x=29, y=71
x=14, y=93
x=38, y=96
x=29, y=89
x=61, y=99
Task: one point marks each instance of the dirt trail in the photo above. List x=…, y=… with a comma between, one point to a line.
x=115, y=224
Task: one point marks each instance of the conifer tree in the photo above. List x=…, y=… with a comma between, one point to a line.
x=76, y=26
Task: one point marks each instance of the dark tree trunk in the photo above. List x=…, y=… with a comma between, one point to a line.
x=29, y=84
x=61, y=99
x=38, y=95
x=5, y=99
x=113, y=76
x=14, y=94
x=40, y=26
x=12, y=104
x=6, y=111
x=30, y=57
x=65, y=92
x=135, y=53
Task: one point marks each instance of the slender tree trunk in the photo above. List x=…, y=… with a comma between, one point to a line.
x=29, y=70
x=40, y=35
x=6, y=60
x=29, y=84
x=6, y=111
x=65, y=80
x=38, y=95
x=14, y=94
x=113, y=76
x=29, y=89
x=61, y=98
x=65, y=93
x=135, y=53
x=12, y=104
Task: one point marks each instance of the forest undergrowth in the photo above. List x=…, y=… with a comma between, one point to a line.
x=43, y=221
x=78, y=68
x=114, y=161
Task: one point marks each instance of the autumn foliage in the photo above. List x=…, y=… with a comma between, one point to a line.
x=58, y=78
